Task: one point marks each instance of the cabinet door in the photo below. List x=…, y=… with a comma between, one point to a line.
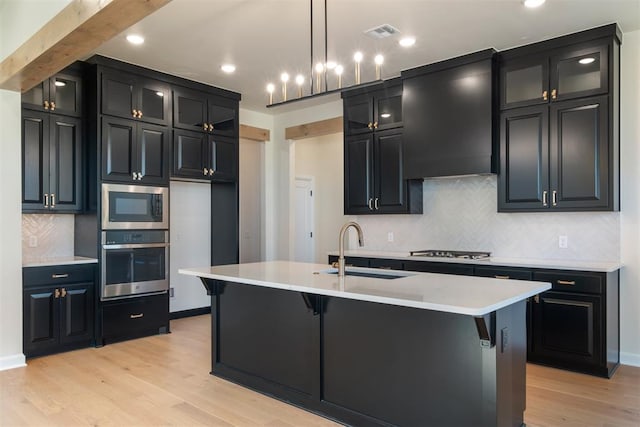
x=118, y=94
x=41, y=320
x=579, y=154
x=34, y=98
x=118, y=150
x=152, y=144
x=567, y=328
x=358, y=175
x=65, y=164
x=524, y=81
x=153, y=101
x=223, y=116
x=580, y=71
x=388, y=108
x=77, y=314
x=66, y=95
x=223, y=158
x=189, y=109
x=358, y=114
x=190, y=154
x=390, y=188
x=524, y=159
x=35, y=159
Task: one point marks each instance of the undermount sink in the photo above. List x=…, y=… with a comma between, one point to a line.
x=386, y=274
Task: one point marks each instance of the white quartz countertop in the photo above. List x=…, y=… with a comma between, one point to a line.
x=604, y=267
x=64, y=260
x=474, y=296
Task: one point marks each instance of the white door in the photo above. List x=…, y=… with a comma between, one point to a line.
x=304, y=241
x=251, y=200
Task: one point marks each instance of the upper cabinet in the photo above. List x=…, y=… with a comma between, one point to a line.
x=450, y=117
x=566, y=73
x=61, y=94
x=204, y=157
x=378, y=110
x=134, y=97
x=204, y=112
x=559, y=132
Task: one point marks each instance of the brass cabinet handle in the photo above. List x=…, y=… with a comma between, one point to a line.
x=545, y=95
x=554, y=198
x=376, y=205
x=139, y=114
x=135, y=175
x=140, y=176
x=136, y=316
x=60, y=276
x=370, y=204
x=53, y=105
x=566, y=282
x=46, y=200
x=63, y=293
x=56, y=293
x=46, y=105
x=210, y=127
x=135, y=113
x=370, y=125
x=375, y=125
x=554, y=94
x=205, y=127
x=53, y=200
x=205, y=171
x=537, y=299
x=497, y=276
x=211, y=172
x=545, y=195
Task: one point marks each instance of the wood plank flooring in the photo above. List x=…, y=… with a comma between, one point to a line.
x=164, y=380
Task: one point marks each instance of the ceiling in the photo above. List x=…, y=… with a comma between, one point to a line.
x=263, y=38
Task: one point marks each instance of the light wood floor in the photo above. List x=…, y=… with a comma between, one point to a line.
x=164, y=380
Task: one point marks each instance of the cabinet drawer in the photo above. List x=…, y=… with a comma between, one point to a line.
x=569, y=281
x=439, y=267
x=351, y=261
x=387, y=264
x=135, y=317
x=57, y=275
x=503, y=273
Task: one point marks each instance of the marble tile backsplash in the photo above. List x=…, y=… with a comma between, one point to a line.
x=47, y=236
x=461, y=214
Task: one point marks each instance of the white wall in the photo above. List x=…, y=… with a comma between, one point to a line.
x=630, y=199
x=18, y=20
x=322, y=158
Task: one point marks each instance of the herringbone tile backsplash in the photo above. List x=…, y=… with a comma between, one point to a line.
x=52, y=235
x=461, y=214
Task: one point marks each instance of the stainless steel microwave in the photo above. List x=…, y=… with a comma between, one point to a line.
x=130, y=207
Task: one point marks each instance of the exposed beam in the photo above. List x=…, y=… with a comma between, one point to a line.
x=75, y=32
x=254, y=133
x=310, y=130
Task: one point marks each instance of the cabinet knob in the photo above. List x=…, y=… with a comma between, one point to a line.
x=554, y=198
x=375, y=125
x=545, y=95
x=56, y=293
x=205, y=127
x=140, y=175
x=545, y=195
x=46, y=105
x=370, y=125
x=134, y=112
x=53, y=105
x=537, y=299
x=135, y=176
x=554, y=94
x=63, y=293
x=211, y=172
x=205, y=171
x=139, y=114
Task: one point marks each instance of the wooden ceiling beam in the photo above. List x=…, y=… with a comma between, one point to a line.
x=78, y=30
x=310, y=130
x=254, y=133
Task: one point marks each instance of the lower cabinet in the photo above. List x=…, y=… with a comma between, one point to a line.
x=135, y=317
x=58, y=309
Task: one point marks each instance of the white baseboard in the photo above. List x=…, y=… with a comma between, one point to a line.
x=630, y=359
x=13, y=361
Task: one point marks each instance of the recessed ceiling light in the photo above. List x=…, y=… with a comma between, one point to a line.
x=533, y=3
x=60, y=83
x=385, y=115
x=407, y=41
x=135, y=39
x=588, y=60
x=228, y=68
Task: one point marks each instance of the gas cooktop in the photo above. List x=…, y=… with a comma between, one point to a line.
x=437, y=253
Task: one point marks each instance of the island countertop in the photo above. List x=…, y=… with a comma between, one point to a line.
x=468, y=295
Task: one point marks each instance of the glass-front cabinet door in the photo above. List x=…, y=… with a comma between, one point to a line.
x=388, y=108
x=358, y=114
x=579, y=71
x=154, y=101
x=61, y=94
x=525, y=81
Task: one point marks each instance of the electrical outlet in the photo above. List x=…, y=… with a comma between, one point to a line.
x=390, y=236
x=563, y=242
x=33, y=241
x=172, y=292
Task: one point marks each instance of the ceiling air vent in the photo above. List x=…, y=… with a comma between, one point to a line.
x=382, y=31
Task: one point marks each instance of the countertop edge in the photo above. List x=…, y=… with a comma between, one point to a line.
x=59, y=261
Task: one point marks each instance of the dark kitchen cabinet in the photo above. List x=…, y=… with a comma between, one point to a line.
x=135, y=317
x=51, y=162
x=58, y=308
x=201, y=156
x=135, y=97
x=134, y=152
x=450, y=117
x=559, y=146
x=439, y=267
x=376, y=110
x=373, y=181
x=204, y=112
x=350, y=261
x=60, y=94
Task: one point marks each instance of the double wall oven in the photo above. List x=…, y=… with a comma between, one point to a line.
x=134, y=240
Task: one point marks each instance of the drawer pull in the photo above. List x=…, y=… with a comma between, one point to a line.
x=60, y=276
x=566, y=282
x=384, y=267
x=497, y=276
x=536, y=298
x=136, y=316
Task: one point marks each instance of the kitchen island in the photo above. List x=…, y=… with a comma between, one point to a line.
x=374, y=347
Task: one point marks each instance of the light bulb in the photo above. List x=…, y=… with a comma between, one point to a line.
x=339, y=69
x=299, y=79
x=358, y=56
x=583, y=61
x=379, y=59
x=407, y=41
x=271, y=87
x=319, y=67
x=284, y=77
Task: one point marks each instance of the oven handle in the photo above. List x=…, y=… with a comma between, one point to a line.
x=136, y=246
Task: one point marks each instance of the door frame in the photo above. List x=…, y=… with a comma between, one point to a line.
x=310, y=214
